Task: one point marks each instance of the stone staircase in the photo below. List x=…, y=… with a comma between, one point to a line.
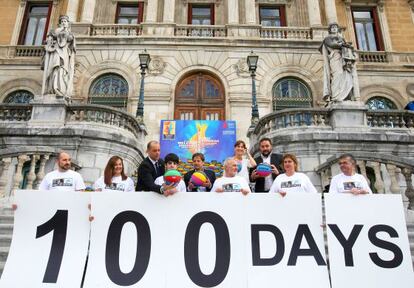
x=6, y=231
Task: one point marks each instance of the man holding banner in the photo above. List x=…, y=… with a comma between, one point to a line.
x=63, y=178
x=150, y=169
x=230, y=182
x=349, y=181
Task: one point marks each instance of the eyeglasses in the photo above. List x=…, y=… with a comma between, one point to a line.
x=342, y=163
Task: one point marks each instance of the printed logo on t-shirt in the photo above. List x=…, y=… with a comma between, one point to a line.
x=62, y=182
x=290, y=184
x=351, y=184
x=231, y=187
x=116, y=186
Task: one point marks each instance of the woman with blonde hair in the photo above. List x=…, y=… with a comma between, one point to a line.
x=291, y=181
x=114, y=178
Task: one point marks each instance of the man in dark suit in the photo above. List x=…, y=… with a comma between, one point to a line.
x=151, y=168
x=263, y=184
x=198, y=162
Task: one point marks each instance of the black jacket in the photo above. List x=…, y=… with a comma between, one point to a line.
x=275, y=159
x=210, y=174
x=147, y=175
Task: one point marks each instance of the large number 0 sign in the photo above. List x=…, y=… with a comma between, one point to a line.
x=206, y=240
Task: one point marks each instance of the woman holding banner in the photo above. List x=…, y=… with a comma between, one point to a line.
x=114, y=178
x=291, y=181
x=243, y=159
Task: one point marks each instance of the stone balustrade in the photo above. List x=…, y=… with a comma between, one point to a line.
x=12, y=174
x=390, y=119
x=297, y=33
x=103, y=115
x=115, y=30
x=200, y=31
x=395, y=170
x=15, y=112
x=291, y=118
x=374, y=57
x=29, y=51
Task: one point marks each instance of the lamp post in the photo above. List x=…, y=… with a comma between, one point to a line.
x=144, y=60
x=252, y=63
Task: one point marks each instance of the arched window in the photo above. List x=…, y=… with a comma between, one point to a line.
x=290, y=93
x=109, y=89
x=19, y=96
x=380, y=103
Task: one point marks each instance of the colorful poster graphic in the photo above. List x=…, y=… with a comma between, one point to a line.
x=214, y=139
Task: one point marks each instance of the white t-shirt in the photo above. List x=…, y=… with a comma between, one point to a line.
x=231, y=184
x=298, y=182
x=341, y=183
x=62, y=181
x=180, y=187
x=244, y=172
x=118, y=184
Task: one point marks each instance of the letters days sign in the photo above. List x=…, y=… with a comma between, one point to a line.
x=50, y=240
x=367, y=241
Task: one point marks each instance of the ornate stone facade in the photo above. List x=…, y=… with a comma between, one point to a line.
x=178, y=50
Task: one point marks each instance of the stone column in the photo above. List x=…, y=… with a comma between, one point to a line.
x=88, y=11
x=152, y=8
x=18, y=23
x=72, y=10
x=233, y=12
x=4, y=175
x=41, y=174
x=18, y=175
x=31, y=177
x=379, y=183
x=169, y=11
x=394, y=188
x=250, y=8
x=314, y=13
x=363, y=167
x=410, y=189
x=330, y=11
x=384, y=27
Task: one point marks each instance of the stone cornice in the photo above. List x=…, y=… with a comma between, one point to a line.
x=378, y=3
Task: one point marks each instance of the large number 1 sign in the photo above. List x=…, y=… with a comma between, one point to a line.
x=50, y=240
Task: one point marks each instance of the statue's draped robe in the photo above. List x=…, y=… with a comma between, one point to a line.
x=59, y=63
x=338, y=81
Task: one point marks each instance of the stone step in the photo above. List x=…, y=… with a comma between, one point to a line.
x=5, y=240
x=4, y=251
x=6, y=228
x=6, y=219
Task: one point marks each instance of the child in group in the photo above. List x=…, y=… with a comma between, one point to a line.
x=171, y=162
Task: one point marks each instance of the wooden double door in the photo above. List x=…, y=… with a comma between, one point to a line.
x=199, y=96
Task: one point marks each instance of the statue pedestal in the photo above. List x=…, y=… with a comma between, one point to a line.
x=348, y=114
x=48, y=110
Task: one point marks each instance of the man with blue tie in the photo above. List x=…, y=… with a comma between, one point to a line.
x=151, y=168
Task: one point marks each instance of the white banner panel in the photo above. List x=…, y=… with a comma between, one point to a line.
x=50, y=240
x=129, y=246
x=367, y=241
x=286, y=243
x=205, y=241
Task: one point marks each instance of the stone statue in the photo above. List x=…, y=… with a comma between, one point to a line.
x=59, y=61
x=340, y=81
